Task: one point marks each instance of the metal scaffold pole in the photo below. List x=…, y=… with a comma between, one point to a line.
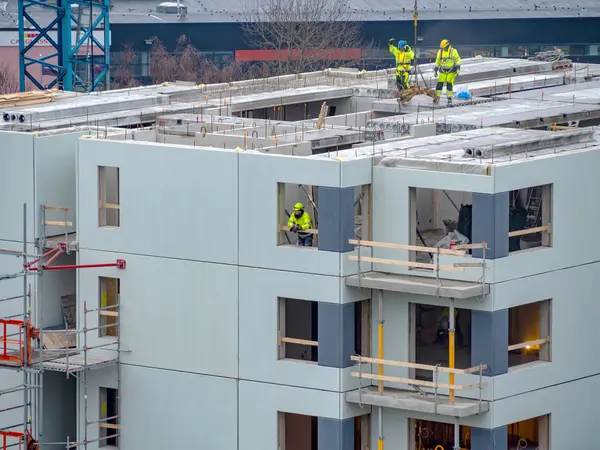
x=26, y=333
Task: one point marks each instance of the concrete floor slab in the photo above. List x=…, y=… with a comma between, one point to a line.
x=413, y=401
x=418, y=285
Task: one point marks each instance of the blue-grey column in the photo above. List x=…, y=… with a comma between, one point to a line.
x=336, y=334
x=489, y=340
x=336, y=434
x=489, y=439
x=336, y=219
x=490, y=222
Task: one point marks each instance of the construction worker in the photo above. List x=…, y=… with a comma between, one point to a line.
x=404, y=57
x=300, y=220
x=447, y=65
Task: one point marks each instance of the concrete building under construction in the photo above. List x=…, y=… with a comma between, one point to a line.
x=152, y=295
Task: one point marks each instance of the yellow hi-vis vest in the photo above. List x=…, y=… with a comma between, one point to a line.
x=447, y=59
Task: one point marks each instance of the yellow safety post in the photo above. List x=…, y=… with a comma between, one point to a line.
x=451, y=348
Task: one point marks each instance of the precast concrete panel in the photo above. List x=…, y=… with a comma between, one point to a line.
x=163, y=407
x=258, y=211
x=51, y=287
x=174, y=314
x=60, y=403
x=13, y=287
x=55, y=178
x=17, y=185
x=392, y=210
x=259, y=290
x=259, y=404
x=573, y=312
x=11, y=379
x=356, y=172
x=574, y=181
x=572, y=408
x=181, y=202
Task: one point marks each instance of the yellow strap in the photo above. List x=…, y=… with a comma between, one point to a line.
x=104, y=299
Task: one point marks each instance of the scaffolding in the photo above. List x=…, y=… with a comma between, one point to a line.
x=23, y=347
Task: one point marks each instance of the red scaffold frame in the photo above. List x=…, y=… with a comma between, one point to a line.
x=56, y=252
x=31, y=444
x=26, y=334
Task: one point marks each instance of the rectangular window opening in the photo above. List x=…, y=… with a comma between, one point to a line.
x=109, y=418
x=530, y=218
x=438, y=218
x=109, y=207
x=362, y=213
x=529, y=333
x=362, y=328
x=298, y=330
x=109, y=301
x=530, y=433
x=426, y=434
x=297, y=205
x=429, y=334
x=297, y=431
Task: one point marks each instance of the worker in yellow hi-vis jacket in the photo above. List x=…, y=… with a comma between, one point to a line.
x=300, y=220
x=404, y=58
x=447, y=65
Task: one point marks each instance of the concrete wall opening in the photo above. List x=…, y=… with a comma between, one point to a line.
x=108, y=301
x=297, y=431
x=362, y=328
x=529, y=333
x=297, y=215
x=298, y=330
x=426, y=434
x=530, y=218
x=108, y=197
x=530, y=433
x=109, y=418
x=363, y=212
x=437, y=217
x=429, y=338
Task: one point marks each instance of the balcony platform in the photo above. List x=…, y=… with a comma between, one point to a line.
x=413, y=401
x=418, y=285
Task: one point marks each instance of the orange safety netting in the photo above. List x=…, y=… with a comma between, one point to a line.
x=13, y=349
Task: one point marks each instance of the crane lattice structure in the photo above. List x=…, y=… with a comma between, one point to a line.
x=79, y=60
x=23, y=347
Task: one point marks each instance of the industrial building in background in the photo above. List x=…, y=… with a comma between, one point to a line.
x=153, y=293
x=508, y=29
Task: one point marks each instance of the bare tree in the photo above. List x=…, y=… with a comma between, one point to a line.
x=304, y=34
x=124, y=76
x=9, y=83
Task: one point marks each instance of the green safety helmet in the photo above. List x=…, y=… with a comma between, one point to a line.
x=298, y=207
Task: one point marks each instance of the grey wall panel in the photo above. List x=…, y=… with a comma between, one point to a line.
x=259, y=404
x=258, y=178
x=336, y=219
x=182, y=203
x=55, y=177
x=489, y=340
x=259, y=290
x=53, y=285
x=357, y=172
x=175, y=314
x=489, y=439
x=203, y=409
x=490, y=224
x=336, y=334
x=16, y=185
x=336, y=434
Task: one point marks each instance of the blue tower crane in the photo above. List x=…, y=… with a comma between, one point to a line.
x=79, y=59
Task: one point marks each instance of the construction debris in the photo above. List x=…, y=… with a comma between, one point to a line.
x=27, y=98
x=556, y=57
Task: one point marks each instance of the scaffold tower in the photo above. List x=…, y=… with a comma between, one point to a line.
x=78, y=32
x=23, y=344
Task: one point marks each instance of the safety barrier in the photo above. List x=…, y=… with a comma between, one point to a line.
x=12, y=351
x=436, y=370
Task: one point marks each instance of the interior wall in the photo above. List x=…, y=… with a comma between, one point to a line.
x=55, y=177
x=298, y=432
x=170, y=309
x=298, y=324
x=60, y=407
x=426, y=199
x=178, y=206
x=53, y=285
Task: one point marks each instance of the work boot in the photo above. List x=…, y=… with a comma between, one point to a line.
x=449, y=101
x=436, y=100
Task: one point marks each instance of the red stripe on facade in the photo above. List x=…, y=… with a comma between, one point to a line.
x=345, y=54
